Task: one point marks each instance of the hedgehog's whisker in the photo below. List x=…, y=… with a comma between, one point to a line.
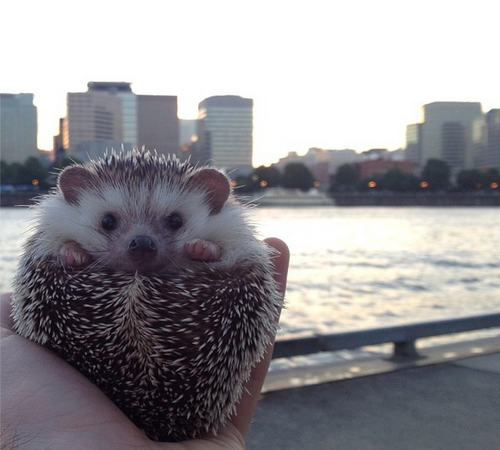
x=101, y=261
x=172, y=262
x=97, y=264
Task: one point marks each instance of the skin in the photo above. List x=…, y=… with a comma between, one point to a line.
x=46, y=403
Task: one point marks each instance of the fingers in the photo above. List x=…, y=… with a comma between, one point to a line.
x=281, y=261
x=5, y=310
x=248, y=403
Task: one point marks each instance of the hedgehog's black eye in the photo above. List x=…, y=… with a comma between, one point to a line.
x=108, y=222
x=174, y=221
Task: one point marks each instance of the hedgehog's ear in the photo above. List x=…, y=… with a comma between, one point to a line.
x=73, y=180
x=216, y=186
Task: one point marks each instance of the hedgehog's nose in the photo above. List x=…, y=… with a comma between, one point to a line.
x=142, y=244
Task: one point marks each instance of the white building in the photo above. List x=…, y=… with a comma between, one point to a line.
x=110, y=116
x=446, y=133
x=413, y=150
x=225, y=132
x=158, y=124
x=486, y=139
x=93, y=124
x=18, y=128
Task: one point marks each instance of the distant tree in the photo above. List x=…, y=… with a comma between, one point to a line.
x=268, y=176
x=31, y=169
x=372, y=183
x=244, y=184
x=11, y=172
x=469, y=180
x=437, y=174
x=34, y=170
x=398, y=181
x=297, y=176
x=491, y=178
x=4, y=172
x=345, y=179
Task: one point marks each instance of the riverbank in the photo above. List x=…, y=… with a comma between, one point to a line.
x=23, y=198
x=416, y=199
x=345, y=199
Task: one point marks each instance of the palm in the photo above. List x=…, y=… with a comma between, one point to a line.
x=48, y=404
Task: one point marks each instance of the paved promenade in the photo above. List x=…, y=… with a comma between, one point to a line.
x=449, y=405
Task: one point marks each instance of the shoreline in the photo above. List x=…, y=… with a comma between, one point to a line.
x=13, y=199
x=416, y=199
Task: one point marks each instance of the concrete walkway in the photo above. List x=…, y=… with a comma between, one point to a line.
x=452, y=405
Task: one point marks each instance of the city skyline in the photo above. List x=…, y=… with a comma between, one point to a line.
x=321, y=75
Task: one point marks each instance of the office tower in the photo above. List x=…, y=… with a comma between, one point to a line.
x=128, y=107
x=158, y=124
x=447, y=132
x=92, y=125
x=187, y=138
x=18, y=128
x=493, y=144
x=413, y=150
x=487, y=139
x=110, y=116
x=225, y=132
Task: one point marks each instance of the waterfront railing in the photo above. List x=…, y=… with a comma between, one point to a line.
x=403, y=337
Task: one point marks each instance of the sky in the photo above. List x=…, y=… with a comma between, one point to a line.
x=329, y=74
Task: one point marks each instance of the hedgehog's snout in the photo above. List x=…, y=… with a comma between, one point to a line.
x=142, y=244
x=142, y=253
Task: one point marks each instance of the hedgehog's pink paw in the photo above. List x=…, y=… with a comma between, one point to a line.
x=73, y=255
x=202, y=250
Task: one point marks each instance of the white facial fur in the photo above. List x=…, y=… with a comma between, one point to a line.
x=145, y=212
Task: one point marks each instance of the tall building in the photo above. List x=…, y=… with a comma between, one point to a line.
x=158, y=124
x=447, y=132
x=493, y=144
x=486, y=139
x=128, y=109
x=18, y=127
x=110, y=116
x=93, y=124
x=413, y=151
x=225, y=132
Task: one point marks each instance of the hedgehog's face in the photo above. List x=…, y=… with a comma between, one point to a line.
x=141, y=228
x=151, y=243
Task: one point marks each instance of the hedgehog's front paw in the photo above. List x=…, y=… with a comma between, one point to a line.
x=73, y=255
x=202, y=250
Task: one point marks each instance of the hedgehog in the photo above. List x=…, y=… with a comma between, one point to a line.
x=145, y=274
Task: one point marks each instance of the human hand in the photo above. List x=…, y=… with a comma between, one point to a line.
x=46, y=403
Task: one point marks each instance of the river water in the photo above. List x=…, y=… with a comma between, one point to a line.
x=359, y=267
